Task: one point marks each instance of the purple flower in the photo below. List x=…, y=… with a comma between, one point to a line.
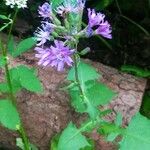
x=55, y=56
x=97, y=20
x=45, y=10
x=43, y=34
x=69, y=7
x=105, y=30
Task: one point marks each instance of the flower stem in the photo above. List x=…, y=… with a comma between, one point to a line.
x=76, y=74
x=10, y=85
x=11, y=26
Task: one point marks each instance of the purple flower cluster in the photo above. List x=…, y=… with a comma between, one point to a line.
x=45, y=10
x=43, y=34
x=97, y=20
x=55, y=56
x=59, y=55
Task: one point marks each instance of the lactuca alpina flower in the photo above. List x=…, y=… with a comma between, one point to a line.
x=98, y=20
x=18, y=3
x=69, y=7
x=43, y=34
x=45, y=10
x=57, y=56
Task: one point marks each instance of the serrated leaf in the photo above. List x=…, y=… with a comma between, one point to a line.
x=97, y=94
x=137, y=135
x=23, y=46
x=71, y=138
x=9, y=117
x=28, y=79
x=85, y=73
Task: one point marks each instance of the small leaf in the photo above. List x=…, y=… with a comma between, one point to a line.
x=9, y=116
x=4, y=17
x=23, y=46
x=85, y=73
x=137, y=134
x=71, y=138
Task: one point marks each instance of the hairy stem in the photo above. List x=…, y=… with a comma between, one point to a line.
x=76, y=74
x=10, y=85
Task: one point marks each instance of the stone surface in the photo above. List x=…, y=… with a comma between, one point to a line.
x=48, y=113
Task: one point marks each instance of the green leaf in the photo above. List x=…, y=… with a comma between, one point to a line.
x=23, y=46
x=136, y=71
x=2, y=61
x=137, y=134
x=56, y=3
x=27, y=78
x=96, y=93
x=9, y=116
x=4, y=88
x=91, y=147
x=85, y=73
x=100, y=5
x=54, y=142
x=4, y=17
x=71, y=138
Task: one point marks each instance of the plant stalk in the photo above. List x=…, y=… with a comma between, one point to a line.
x=10, y=85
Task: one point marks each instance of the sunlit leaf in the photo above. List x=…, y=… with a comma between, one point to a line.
x=9, y=117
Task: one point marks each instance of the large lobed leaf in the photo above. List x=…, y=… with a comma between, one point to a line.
x=27, y=78
x=96, y=94
x=85, y=73
x=22, y=47
x=9, y=117
x=137, y=135
x=71, y=138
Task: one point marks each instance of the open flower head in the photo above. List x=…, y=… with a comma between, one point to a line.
x=43, y=34
x=56, y=56
x=18, y=3
x=97, y=20
x=45, y=10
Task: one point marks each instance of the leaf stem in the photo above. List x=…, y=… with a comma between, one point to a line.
x=24, y=138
